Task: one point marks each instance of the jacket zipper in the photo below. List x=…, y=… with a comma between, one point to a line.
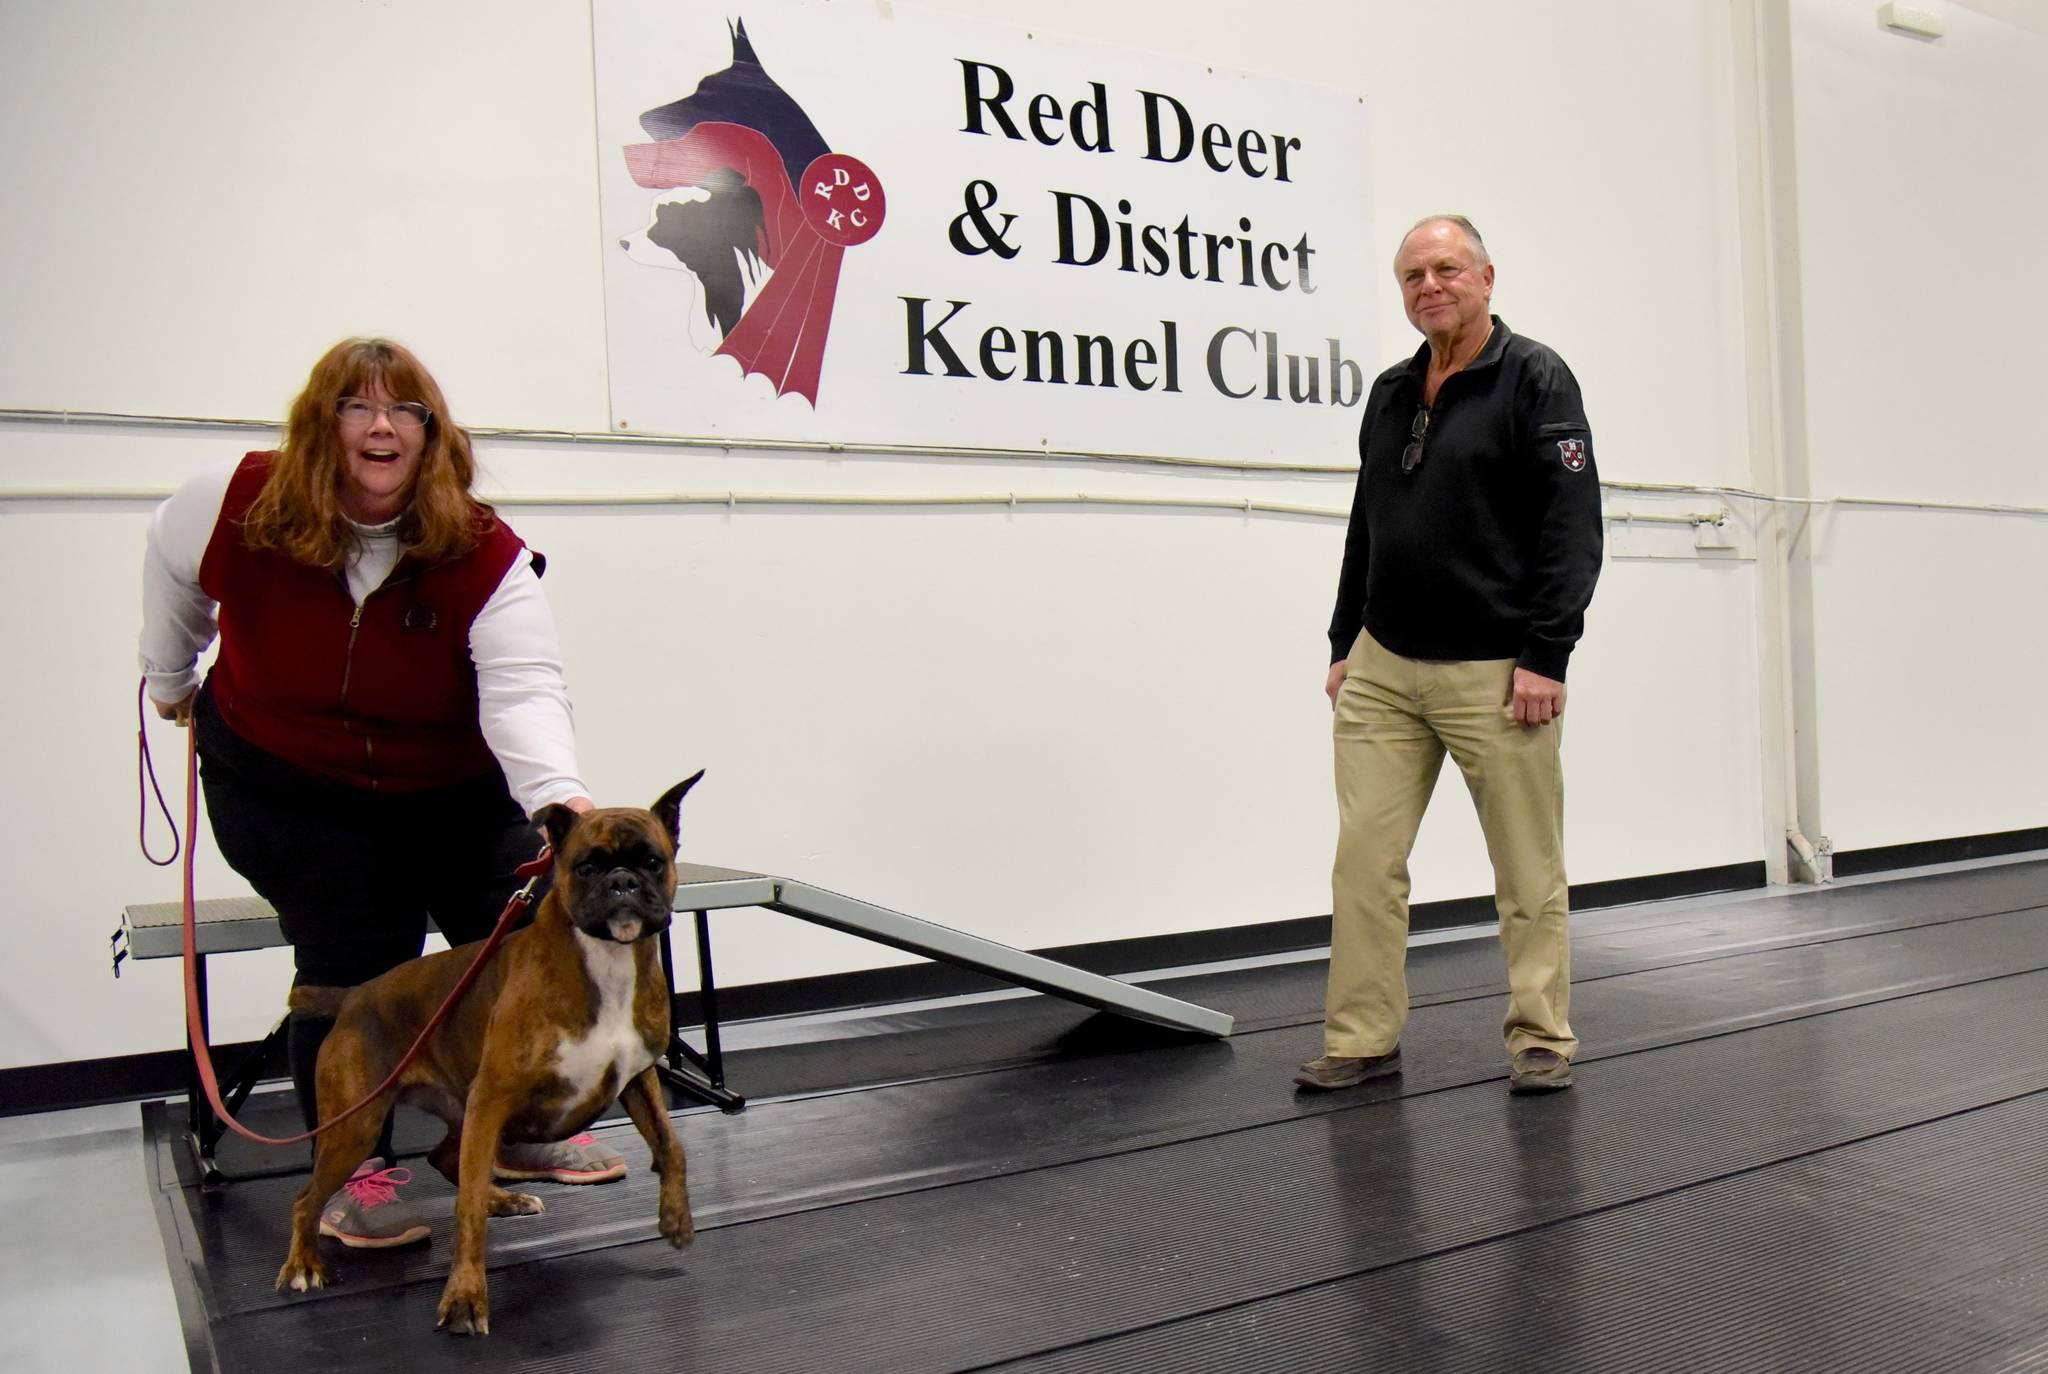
x=348, y=665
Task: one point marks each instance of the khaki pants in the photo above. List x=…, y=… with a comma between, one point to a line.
x=1395, y=719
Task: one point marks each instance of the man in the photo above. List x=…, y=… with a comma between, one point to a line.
x=1472, y=552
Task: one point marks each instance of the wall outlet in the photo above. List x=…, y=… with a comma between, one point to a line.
x=1712, y=534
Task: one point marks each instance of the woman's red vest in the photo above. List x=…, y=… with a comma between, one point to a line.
x=381, y=697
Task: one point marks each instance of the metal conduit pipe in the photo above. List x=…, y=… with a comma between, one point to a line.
x=119, y=419
x=1819, y=860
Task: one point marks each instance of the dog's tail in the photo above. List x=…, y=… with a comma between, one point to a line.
x=321, y=1003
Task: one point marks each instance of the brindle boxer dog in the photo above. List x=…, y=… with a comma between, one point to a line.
x=570, y=1013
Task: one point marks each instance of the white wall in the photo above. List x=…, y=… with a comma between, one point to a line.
x=1045, y=726
x=210, y=192
x=1923, y=173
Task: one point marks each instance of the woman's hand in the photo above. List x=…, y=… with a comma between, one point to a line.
x=178, y=712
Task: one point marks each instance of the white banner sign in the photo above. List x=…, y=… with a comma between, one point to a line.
x=860, y=223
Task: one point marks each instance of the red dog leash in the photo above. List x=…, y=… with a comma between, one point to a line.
x=145, y=774
x=195, y=1030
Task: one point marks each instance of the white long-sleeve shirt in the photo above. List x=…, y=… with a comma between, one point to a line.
x=523, y=700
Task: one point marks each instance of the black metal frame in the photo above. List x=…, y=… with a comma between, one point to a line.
x=203, y=1129
x=682, y=1067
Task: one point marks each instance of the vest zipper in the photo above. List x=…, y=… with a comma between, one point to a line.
x=348, y=657
x=348, y=664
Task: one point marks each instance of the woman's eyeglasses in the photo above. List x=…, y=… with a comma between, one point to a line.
x=354, y=410
x=1411, y=456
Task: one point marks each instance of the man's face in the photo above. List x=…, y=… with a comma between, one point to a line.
x=1444, y=290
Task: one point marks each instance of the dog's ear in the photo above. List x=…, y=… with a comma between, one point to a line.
x=669, y=810
x=557, y=820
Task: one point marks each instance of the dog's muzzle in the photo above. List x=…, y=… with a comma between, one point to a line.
x=631, y=928
x=625, y=907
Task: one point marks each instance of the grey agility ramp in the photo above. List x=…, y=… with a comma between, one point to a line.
x=933, y=941
x=226, y=925
x=702, y=887
x=229, y=924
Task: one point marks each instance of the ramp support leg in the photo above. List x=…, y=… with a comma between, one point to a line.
x=702, y=1076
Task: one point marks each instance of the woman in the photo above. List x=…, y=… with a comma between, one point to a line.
x=386, y=709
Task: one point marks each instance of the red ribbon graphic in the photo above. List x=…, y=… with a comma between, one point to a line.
x=804, y=231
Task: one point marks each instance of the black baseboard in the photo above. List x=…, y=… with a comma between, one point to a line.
x=1851, y=862
x=915, y=982
x=116, y=1078
x=130, y=1077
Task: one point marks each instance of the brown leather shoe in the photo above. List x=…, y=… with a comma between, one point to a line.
x=1335, y=1071
x=1538, y=1070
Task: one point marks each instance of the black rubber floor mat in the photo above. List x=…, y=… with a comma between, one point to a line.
x=1604, y=945
x=1924, y=1249
x=1012, y=1266
x=787, y=1156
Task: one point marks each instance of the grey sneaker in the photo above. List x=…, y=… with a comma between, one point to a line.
x=579, y=1159
x=1538, y=1071
x=1335, y=1071
x=366, y=1213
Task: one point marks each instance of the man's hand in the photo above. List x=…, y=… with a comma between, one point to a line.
x=1335, y=682
x=1538, y=700
x=179, y=712
x=580, y=804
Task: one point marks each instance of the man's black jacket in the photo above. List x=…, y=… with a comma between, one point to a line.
x=1490, y=547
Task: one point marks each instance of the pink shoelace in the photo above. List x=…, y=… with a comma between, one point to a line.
x=375, y=1190
x=581, y=1138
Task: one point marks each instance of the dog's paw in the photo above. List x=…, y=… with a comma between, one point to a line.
x=677, y=1228
x=465, y=1309
x=300, y=1276
x=505, y=1203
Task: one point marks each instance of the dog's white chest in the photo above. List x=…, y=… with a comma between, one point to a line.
x=611, y=1051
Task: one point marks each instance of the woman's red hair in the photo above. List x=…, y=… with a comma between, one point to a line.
x=299, y=514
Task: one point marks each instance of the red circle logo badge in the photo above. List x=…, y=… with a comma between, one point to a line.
x=842, y=199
